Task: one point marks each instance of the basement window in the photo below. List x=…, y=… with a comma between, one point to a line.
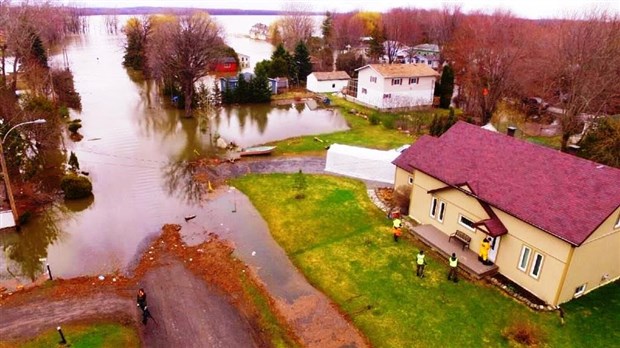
x=580, y=290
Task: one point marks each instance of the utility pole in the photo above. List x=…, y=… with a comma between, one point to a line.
x=7, y=184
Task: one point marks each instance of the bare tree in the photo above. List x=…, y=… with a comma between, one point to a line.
x=486, y=52
x=297, y=25
x=183, y=50
x=582, y=73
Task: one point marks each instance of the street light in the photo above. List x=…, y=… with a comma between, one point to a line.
x=39, y=121
x=5, y=172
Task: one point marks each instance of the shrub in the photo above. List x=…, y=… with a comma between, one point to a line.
x=74, y=126
x=389, y=122
x=374, y=119
x=401, y=198
x=523, y=332
x=76, y=186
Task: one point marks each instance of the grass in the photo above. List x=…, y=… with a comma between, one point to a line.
x=278, y=335
x=342, y=243
x=382, y=136
x=88, y=336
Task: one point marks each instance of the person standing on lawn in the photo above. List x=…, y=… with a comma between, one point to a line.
x=397, y=225
x=454, y=263
x=421, y=262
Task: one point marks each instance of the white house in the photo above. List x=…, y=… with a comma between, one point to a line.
x=328, y=81
x=386, y=86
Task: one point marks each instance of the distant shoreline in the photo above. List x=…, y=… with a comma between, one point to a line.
x=91, y=11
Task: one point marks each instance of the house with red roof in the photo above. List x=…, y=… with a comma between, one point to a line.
x=553, y=218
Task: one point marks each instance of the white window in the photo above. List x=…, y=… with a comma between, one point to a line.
x=433, y=207
x=397, y=81
x=580, y=290
x=524, y=259
x=411, y=180
x=442, y=210
x=373, y=79
x=387, y=96
x=413, y=80
x=467, y=223
x=364, y=91
x=537, y=262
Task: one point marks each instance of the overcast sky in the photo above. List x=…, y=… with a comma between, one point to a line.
x=522, y=8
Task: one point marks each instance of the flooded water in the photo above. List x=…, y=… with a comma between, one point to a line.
x=135, y=152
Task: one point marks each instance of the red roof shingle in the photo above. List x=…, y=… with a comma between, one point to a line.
x=567, y=196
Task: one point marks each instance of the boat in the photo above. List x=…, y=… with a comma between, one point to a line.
x=257, y=150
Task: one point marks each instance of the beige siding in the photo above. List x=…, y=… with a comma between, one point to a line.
x=555, y=251
x=596, y=262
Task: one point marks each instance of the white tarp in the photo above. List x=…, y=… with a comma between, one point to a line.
x=362, y=163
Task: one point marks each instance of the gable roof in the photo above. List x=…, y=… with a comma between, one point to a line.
x=567, y=196
x=330, y=75
x=401, y=70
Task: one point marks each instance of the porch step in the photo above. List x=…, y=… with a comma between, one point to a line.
x=468, y=260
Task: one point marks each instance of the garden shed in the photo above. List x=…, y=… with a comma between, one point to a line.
x=361, y=163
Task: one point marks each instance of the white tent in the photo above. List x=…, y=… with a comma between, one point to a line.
x=362, y=163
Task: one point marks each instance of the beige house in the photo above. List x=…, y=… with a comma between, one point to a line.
x=554, y=218
x=389, y=86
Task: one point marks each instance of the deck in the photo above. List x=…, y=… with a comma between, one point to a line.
x=438, y=241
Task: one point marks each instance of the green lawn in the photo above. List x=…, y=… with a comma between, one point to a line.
x=342, y=243
x=88, y=336
x=381, y=136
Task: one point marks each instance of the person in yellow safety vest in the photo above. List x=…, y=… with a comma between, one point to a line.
x=421, y=262
x=484, y=250
x=454, y=263
x=397, y=224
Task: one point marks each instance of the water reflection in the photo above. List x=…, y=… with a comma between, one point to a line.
x=27, y=249
x=180, y=183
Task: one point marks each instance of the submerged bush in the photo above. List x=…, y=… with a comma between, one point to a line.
x=76, y=186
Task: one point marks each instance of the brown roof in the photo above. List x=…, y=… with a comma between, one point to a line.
x=402, y=70
x=331, y=75
x=567, y=196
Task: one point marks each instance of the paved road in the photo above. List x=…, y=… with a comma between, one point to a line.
x=187, y=311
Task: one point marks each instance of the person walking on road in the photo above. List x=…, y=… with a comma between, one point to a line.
x=397, y=225
x=141, y=303
x=421, y=262
x=141, y=299
x=454, y=263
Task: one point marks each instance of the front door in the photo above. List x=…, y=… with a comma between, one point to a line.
x=494, y=248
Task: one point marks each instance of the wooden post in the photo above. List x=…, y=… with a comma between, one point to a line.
x=7, y=184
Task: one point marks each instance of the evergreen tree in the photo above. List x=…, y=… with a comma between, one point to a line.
x=376, y=44
x=264, y=68
x=73, y=162
x=37, y=51
x=281, y=63
x=242, y=92
x=447, y=87
x=261, y=92
x=302, y=61
x=300, y=185
x=327, y=29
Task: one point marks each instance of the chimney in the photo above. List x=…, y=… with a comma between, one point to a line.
x=511, y=131
x=572, y=149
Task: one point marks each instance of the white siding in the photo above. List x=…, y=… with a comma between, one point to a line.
x=383, y=94
x=325, y=86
